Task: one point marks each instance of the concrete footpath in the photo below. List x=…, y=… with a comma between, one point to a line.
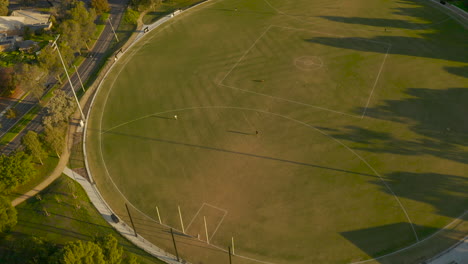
x=125, y=230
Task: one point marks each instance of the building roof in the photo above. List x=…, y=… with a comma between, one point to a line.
x=32, y=17
x=8, y=23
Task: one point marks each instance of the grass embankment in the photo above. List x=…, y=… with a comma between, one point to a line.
x=69, y=219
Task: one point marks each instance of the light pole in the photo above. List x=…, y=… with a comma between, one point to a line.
x=113, y=29
x=79, y=78
x=54, y=44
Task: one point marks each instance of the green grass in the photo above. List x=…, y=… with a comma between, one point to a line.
x=310, y=187
x=166, y=8
x=66, y=222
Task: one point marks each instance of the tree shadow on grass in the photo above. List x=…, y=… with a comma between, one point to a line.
x=447, y=194
x=253, y=155
x=446, y=43
x=438, y=117
x=460, y=71
x=374, y=241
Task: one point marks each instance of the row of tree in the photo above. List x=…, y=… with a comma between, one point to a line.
x=76, y=25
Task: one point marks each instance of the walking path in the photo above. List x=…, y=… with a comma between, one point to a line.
x=106, y=212
x=55, y=173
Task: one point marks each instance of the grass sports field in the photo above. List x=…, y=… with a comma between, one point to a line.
x=309, y=131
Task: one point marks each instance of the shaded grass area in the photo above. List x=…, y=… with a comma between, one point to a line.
x=69, y=219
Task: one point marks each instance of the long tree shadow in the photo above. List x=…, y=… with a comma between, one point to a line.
x=447, y=194
x=440, y=42
x=437, y=116
x=252, y=155
x=375, y=243
x=460, y=71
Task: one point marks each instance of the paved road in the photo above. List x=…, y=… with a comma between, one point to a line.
x=88, y=66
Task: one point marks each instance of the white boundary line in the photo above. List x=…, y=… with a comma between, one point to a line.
x=297, y=102
x=284, y=117
x=245, y=53
x=195, y=216
x=253, y=110
x=220, y=221
x=376, y=81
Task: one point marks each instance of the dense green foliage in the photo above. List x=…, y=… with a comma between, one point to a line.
x=7, y=215
x=101, y=6
x=15, y=169
x=7, y=81
x=71, y=217
x=4, y=7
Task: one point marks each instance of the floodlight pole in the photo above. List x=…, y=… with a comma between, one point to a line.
x=131, y=220
x=112, y=27
x=181, y=221
x=206, y=231
x=159, y=216
x=79, y=78
x=229, y=251
x=233, y=249
x=68, y=76
x=175, y=247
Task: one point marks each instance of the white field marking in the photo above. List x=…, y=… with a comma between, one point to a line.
x=300, y=122
x=127, y=59
x=417, y=243
x=107, y=172
x=195, y=216
x=245, y=53
x=306, y=63
x=252, y=127
x=291, y=101
x=376, y=81
x=220, y=221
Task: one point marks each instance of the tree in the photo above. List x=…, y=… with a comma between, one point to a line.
x=79, y=252
x=49, y=59
x=4, y=7
x=59, y=109
x=7, y=80
x=30, y=249
x=34, y=146
x=54, y=138
x=7, y=215
x=110, y=248
x=101, y=6
x=85, y=19
x=71, y=33
x=31, y=78
x=15, y=169
x=10, y=113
